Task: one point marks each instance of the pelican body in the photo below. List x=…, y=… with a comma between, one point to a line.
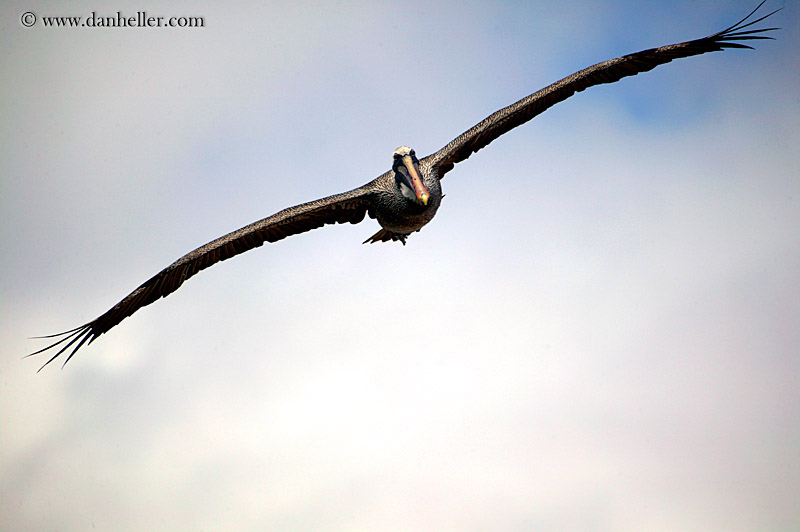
x=420, y=194
x=405, y=198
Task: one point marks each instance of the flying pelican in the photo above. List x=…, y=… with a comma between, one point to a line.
x=404, y=198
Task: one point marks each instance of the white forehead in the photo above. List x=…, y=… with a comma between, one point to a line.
x=402, y=151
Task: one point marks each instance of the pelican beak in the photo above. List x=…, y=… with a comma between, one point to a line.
x=420, y=190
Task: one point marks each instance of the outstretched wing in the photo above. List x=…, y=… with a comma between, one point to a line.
x=610, y=71
x=340, y=208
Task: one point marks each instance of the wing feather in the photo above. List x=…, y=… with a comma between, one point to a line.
x=611, y=71
x=348, y=207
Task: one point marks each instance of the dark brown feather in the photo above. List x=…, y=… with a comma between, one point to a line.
x=613, y=70
x=349, y=207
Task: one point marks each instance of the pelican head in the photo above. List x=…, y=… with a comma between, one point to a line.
x=406, y=171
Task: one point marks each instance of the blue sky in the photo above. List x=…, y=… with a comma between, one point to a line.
x=598, y=331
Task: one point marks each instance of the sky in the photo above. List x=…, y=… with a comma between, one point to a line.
x=597, y=332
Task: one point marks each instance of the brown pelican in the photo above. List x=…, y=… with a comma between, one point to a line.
x=404, y=198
